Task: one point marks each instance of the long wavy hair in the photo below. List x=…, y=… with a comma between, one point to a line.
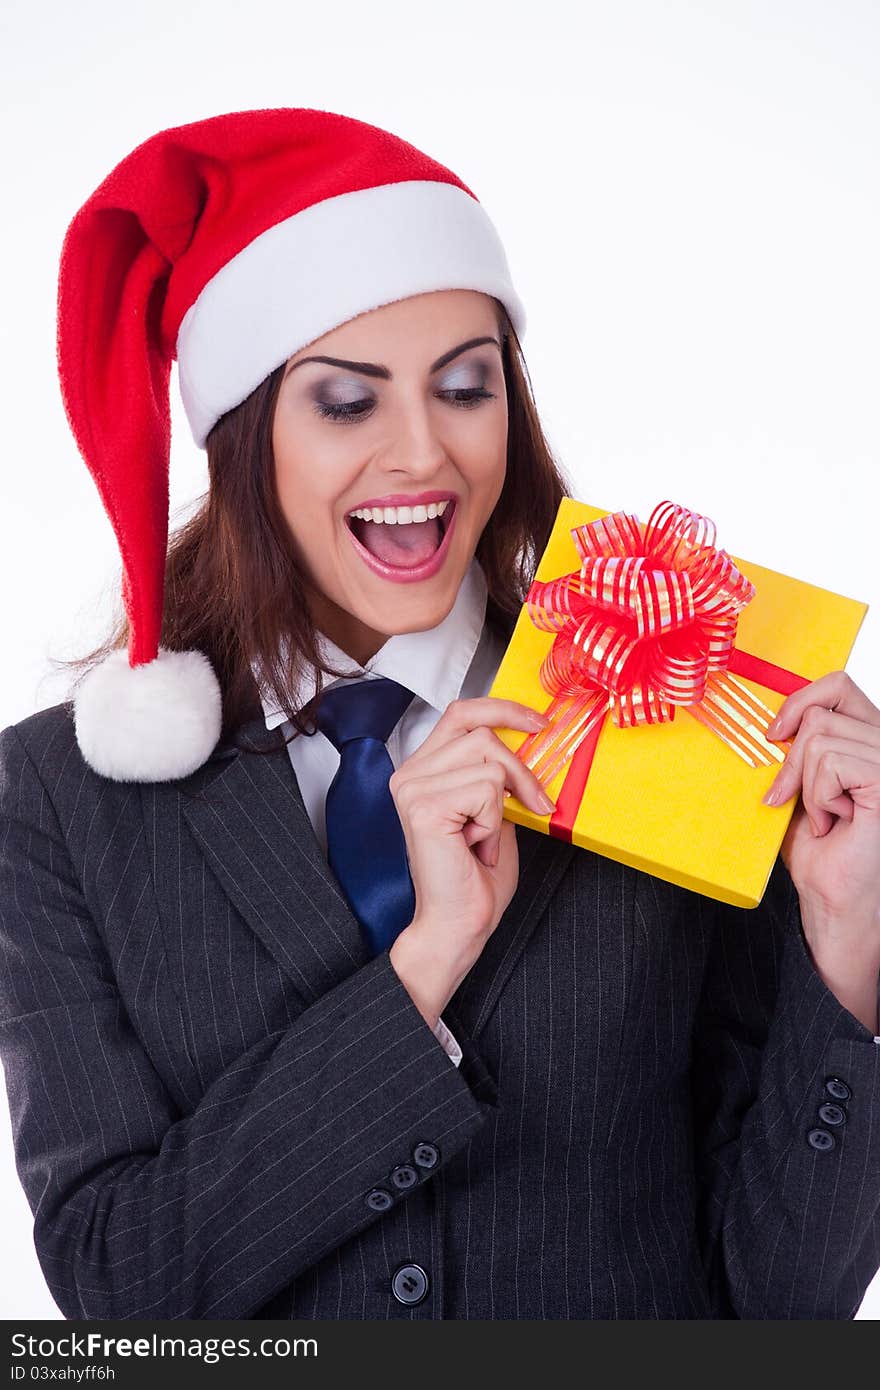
x=235, y=591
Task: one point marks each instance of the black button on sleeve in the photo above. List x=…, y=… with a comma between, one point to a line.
x=379, y=1200
x=821, y=1139
x=404, y=1176
x=409, y=1284
x=426, y=1155
x=837, y=1088
x=831, y=1114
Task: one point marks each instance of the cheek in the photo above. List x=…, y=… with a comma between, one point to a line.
x=308, y=484
x=310, y=518
x=485, y=460
x=309, y=514
x=492, y=434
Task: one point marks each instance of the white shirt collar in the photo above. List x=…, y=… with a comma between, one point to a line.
x=433, y=663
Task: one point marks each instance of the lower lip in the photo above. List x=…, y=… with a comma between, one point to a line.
x=407, y=574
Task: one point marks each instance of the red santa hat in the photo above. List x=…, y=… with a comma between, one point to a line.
x=227, y=245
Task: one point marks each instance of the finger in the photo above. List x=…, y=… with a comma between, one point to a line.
x=485, y=847
x=485, y=826
x=475, y=749
x=488, y=851
x=488, y=711
x=818, y=721
x=807, y=746
x=465, y=799
x=482, y=832
x=836, y=691
x=838, y=775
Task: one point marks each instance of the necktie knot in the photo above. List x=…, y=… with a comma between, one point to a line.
x=362, y=709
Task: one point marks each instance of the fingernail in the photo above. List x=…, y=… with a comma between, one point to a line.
x=774, y=727
x=771, y=797
x=545, y=803
x=539, y=720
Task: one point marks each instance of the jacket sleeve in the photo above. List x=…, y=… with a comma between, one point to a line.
x=789, y=1221
x=143, y=1212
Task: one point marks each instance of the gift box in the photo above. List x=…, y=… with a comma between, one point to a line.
x=661, y=661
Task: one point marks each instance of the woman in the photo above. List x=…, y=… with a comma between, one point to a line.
x=293, y=1023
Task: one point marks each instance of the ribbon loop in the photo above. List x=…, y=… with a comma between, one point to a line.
x=647, y=624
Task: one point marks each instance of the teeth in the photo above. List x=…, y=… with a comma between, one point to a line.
x=401, y=516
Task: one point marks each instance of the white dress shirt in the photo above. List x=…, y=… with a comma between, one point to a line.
x=456, y=659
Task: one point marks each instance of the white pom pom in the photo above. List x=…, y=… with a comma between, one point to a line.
x=148, y=723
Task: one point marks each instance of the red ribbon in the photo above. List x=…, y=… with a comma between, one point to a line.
x=647, y=624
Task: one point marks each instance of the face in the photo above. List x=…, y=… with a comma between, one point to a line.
x=404, y=418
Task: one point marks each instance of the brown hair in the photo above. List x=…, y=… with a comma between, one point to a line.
x=234, y=589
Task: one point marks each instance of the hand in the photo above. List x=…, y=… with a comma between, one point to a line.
x=832, y=846
x=463, y=857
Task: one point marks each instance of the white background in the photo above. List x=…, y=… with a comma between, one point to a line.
x=688, y=198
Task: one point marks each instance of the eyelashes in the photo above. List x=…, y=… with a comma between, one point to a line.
x=349, y=412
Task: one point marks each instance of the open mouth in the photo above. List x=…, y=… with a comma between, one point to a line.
x=405, y=550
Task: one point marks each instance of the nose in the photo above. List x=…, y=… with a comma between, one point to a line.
x=415, y=446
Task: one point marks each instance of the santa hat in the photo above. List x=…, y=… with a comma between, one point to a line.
x=227, y=244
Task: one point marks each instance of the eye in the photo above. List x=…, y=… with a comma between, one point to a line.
x=348, y=411
x=469, y=395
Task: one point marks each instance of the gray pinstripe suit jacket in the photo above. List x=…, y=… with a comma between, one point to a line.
x=207, y=1075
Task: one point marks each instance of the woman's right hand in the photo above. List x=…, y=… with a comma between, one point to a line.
x=463, y=858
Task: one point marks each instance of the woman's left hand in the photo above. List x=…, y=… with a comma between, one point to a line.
x=832, y=846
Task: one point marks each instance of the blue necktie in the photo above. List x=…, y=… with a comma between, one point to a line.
x=365, y=842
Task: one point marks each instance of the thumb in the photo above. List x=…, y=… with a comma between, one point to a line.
x=505, y=840
x=798, y=831
x=489, y=850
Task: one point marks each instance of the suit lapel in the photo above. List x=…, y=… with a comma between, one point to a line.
x=542, y=862
x=249, y=820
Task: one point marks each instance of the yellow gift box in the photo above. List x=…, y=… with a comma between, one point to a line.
x=678, y=796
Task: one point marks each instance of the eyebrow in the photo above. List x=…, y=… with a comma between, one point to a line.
x=376, y=369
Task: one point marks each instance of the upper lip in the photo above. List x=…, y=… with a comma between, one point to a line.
x=402, y=499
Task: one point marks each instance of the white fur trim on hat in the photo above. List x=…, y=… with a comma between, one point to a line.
x=149, y=723
x=325, y=265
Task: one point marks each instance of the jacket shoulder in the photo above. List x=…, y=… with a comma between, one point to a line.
x=41, y=751
x=44, y=736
